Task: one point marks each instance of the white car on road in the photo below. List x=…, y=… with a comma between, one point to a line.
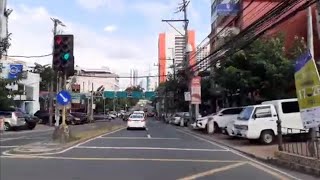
x=136, y=121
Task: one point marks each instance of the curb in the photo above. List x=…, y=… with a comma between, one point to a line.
x=272, y=161
x=62, y=149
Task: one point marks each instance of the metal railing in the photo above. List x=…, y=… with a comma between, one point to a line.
x=298, y=141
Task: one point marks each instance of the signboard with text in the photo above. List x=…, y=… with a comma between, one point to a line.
x=196, y=90
x=307, y=82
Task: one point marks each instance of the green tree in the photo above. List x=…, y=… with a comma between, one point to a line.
x=46, y=74
x=263, y=67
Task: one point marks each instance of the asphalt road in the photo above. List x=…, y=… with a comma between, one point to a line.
x=162, y=152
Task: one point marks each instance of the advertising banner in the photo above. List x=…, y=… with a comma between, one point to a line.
x=196, y=90
x=307, y=83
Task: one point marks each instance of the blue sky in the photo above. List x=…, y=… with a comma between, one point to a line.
x=120, y=34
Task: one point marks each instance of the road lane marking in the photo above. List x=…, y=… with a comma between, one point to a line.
x=277, y=175
x=13, y=138
x=117, y=159
x=8, y=146
x=7, y=153
x=234, y=151
x=151, y=148
x=137, y=138
x=213, y=171
x=203, y=139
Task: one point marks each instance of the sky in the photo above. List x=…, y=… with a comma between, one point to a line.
x=119, y=34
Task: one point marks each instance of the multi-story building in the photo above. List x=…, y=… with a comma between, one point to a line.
x=171, y=49
x=88, y=78
x=223, y=11
x=202, y=53
x=28, y=85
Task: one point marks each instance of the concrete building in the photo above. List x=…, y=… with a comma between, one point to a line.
x=249, y=11
x=171, y=46
x=29, y=85
x=86, y=78
x=203, y=52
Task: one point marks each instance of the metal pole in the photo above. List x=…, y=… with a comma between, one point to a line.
x=311, y=48
x=51, y=83
x=91, y=104
x=64, y=107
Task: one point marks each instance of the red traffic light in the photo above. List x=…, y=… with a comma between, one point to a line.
x=58, y=39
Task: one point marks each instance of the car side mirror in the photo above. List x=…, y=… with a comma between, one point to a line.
x=255, y=116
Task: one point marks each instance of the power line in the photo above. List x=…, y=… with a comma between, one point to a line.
x=273, y=14
x=282, y=16
x=21, y=56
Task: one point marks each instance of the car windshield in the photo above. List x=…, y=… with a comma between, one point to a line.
x=246, y=113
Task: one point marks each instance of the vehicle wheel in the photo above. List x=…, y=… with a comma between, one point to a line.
x=6, y=126
x=216, y=128
x=267, y=137
x=31, y=126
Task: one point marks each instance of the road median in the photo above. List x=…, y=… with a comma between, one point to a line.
x=49, y=146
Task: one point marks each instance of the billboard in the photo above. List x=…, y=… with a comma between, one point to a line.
x=225, y=9
x=307, y=82
x=10, y=71
x=196, y=90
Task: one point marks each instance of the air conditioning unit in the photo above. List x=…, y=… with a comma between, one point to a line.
x=227, y=31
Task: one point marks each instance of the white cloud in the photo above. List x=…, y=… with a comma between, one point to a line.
x=113, y=5
x=31, y=30
x=110, y=28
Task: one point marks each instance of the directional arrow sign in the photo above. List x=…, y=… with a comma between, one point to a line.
x=63, y=98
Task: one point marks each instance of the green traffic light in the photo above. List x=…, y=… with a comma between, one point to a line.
x=66, y=56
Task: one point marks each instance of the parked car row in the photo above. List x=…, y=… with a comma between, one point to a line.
x=15, y=118
x=255, y=122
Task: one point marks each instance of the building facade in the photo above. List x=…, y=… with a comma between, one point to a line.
x=171, y=49
x=223, y=11
x=202, y=53
x=88, y=79
x=28, y=85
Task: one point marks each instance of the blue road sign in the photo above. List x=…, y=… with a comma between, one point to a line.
x=63, y=98
x=15, y=70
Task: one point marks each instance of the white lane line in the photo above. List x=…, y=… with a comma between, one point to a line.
x=203, y=139
x=244, y=156
x=13, y=138
x=151, y=148
x=7, y=153
x=137, y=138
x=8, y=146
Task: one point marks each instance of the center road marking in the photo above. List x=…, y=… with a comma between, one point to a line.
x=137, y=138
x=271, y=169
x=118, y=159
x=213, y=171
x=152, y=148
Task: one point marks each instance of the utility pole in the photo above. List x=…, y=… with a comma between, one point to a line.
x=312, y=131
x=56, y=23
x=186, y=53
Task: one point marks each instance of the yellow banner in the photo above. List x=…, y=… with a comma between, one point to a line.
x=307, y=83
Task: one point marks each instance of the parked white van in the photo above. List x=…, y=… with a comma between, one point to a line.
x=260, y=121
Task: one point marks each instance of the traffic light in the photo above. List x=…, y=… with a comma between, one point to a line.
x=63, y=59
